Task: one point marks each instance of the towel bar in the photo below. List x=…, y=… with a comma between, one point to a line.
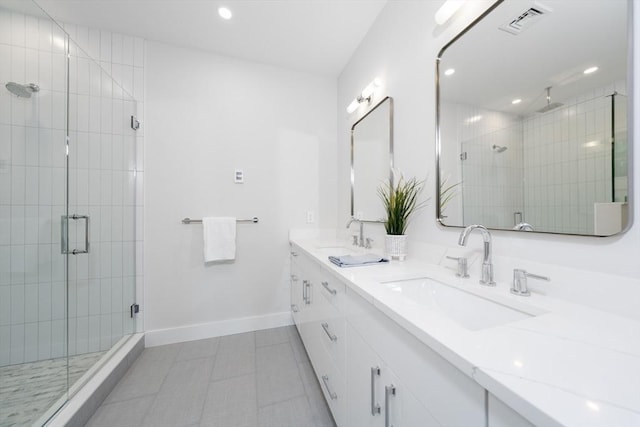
x=199, y=221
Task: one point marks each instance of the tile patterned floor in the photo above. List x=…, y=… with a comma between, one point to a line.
x=29, y=389
x=260, y=378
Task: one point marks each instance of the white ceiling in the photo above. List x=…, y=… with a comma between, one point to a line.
x=494, y=67
x=317, y=36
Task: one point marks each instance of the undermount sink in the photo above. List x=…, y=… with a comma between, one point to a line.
x=471, y=311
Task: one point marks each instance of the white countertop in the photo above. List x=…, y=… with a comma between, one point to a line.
x=571, y=366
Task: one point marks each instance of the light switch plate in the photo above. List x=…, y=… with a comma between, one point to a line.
x=239, y=176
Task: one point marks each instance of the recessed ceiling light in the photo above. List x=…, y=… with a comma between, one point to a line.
x=224, y=13
x=516, y=101
x=449, y=72
x=591, y=70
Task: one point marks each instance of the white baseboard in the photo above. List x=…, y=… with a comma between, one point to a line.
x=216, y=329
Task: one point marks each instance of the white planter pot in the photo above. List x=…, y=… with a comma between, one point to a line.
x=395, y=246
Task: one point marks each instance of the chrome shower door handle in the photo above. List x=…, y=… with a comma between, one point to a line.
x=64, y=229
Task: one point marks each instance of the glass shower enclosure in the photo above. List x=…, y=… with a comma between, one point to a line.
x=67, y=215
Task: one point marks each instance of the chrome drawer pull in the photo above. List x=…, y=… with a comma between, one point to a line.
x=326, y=286
x=294, y=308
x=294, y=278
x=375, y=408
x=308, y=292
x=306, y=296
x=389, y=391
x=294, y=253
x=332, y=394
x=331, y=336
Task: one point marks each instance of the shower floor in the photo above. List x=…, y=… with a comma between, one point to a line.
x=29, y=389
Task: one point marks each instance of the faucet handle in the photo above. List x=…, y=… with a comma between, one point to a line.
x=519, y=284
x=354, y=242
x=368, y=243
x=462, y=266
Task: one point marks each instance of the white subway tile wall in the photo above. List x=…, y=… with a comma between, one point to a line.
x=568, y=161
x=555, y=167
x=105, y=156
x=491, y=179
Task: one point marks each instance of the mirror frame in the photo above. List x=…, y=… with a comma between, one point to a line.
x=352, y=172
x=630, y=126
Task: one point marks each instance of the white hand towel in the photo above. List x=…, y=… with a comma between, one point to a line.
x=219, y=238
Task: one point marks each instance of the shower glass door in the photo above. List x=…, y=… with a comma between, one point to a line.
x=33, y=294
x=100, y=219
x=67, y=215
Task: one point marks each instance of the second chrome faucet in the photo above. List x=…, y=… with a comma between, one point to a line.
x=487, y=266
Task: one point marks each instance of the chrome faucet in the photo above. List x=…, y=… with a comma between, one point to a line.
x=357, y=240
x=487, y=266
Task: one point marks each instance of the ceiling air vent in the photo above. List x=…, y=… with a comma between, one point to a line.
x=526, y=19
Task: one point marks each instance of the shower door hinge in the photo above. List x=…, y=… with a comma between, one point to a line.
x=135, y=123
x=135, y=309
x=463, y=155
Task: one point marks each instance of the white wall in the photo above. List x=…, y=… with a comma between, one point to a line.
x=207, y=115
x=401, y=48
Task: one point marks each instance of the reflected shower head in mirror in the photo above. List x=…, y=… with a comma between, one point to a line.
x=23, y=91
x=498, y=148
x=550, y=105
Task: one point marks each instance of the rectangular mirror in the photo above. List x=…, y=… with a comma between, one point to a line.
x=532, y=127
x=371, y=160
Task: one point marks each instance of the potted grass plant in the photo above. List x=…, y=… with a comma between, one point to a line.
x=400, y=202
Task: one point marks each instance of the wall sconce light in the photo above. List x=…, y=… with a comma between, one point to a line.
x=365, y=95
x=447, y=10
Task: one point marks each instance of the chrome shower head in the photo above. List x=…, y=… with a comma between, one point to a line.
x=23, y=91
x=550, y=105
x=498, y=148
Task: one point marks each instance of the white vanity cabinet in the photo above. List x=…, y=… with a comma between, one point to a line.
x=364, y=360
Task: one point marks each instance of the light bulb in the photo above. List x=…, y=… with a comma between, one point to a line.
x=353, y=106
x=371, y=87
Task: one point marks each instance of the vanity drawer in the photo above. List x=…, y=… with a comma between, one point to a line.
x=332, y=336
x=332, y=382
x=333, y=290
